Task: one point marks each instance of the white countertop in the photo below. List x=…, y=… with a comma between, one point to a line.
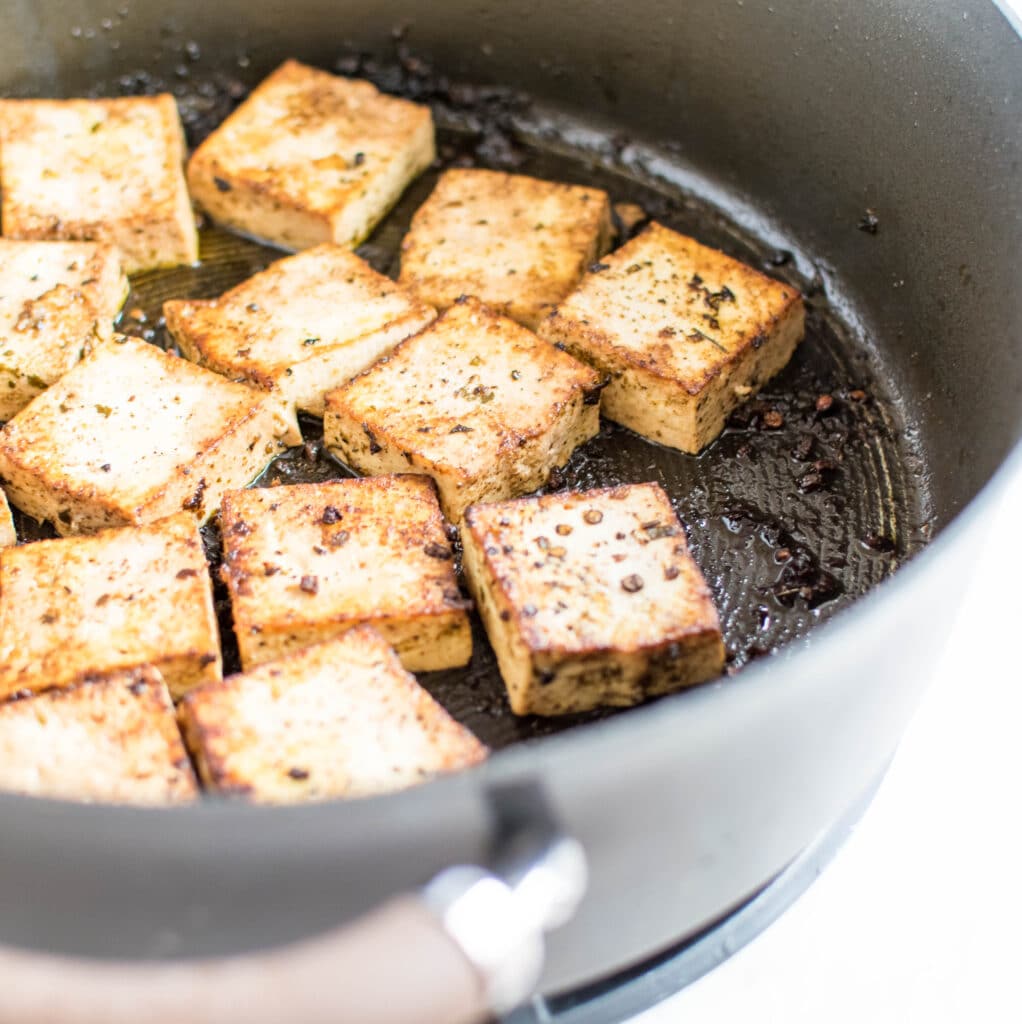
x=916, y=920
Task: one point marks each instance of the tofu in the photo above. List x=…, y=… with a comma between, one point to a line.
x=516, y=243
x=475, y=401
x=107, y=170
x=56, y=300
x=110, y=738
x=124, y=598
x=341, y=719
x=684, y=333
x=590, y=598
x=8, y=535
x=305, y=325
x=304, y=563
x=310, y=157
x=132, y=434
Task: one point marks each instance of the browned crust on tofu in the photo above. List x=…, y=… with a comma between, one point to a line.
x=304, y=563
x=110, y=738
x=682, y=352
x=8, y=536
x=587, y=603
x=298, y=199
x=113, y=601
x=158, y=231
x=484, y=233
x=192, y=473
x=458, y=427
x=366, y=695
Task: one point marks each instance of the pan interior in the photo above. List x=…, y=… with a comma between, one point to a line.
x=790, y=523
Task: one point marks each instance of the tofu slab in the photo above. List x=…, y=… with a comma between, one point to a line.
x=303, y=326
x=310, y=157
x=110, y=738
x=124, y=598
x=304, y=563
x=341, y=719
x=107, y=170
x=132, y=434
x=590, y=598
x=684, y=333
x=56, y=300
x=475, y=401
x=517, y=243
x=8, y=536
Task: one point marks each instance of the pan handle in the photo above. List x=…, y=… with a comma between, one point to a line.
x=467, y=946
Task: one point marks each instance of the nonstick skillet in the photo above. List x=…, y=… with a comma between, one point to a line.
x=868, y=154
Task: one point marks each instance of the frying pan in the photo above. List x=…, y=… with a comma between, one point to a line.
x=867, y=152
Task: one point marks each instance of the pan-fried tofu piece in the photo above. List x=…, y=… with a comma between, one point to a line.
x=108, y=738
x=684, y=332
x=307, y=562
x=310, y=157
x=517, y=243
x=136, y=596
x=303, y=326
x=56, y=300
x=8, y=536
x=475, y=401
x=132, y=434
x=590, y=598
x=106, y=170
x=341, y=719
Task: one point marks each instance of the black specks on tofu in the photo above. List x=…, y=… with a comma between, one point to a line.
x=338, y=719
x=310, y=157
x=517, y=243
x=317, y=559
x=131, y=434
x=683, y=334
x=614, y=612
x=490, y=435
x=105, y=170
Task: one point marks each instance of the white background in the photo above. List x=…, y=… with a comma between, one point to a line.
x=917, y=920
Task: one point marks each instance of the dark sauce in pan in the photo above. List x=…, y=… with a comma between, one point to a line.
x=807, y=500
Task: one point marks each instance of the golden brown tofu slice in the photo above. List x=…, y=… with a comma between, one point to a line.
x=110, y=739
x=108, y=170
x=56, y=300
x=310, y=157
x=590, y=598
x=305, y=325
x=684, y=333
x=516, y=243
x=123, y=598
x=475, y=401
x=132, y=434
x=8, y=535
x=305, y=563
x=341, y=719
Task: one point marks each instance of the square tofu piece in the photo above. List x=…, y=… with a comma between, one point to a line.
x=517, y=243
x=108, y=738
x=8, y=536
x=99, y=170
x=590, y=598
x=475, y=401
x=341, y=719
x=310, y=157
x=56, y=299
x=124, y=598
x=305, y=563
x=303, y=326
x=132, y=434
x=684, y=333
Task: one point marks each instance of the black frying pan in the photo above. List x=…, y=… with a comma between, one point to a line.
x=866, y=153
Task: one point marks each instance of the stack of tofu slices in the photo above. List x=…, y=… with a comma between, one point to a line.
x=453, y=392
